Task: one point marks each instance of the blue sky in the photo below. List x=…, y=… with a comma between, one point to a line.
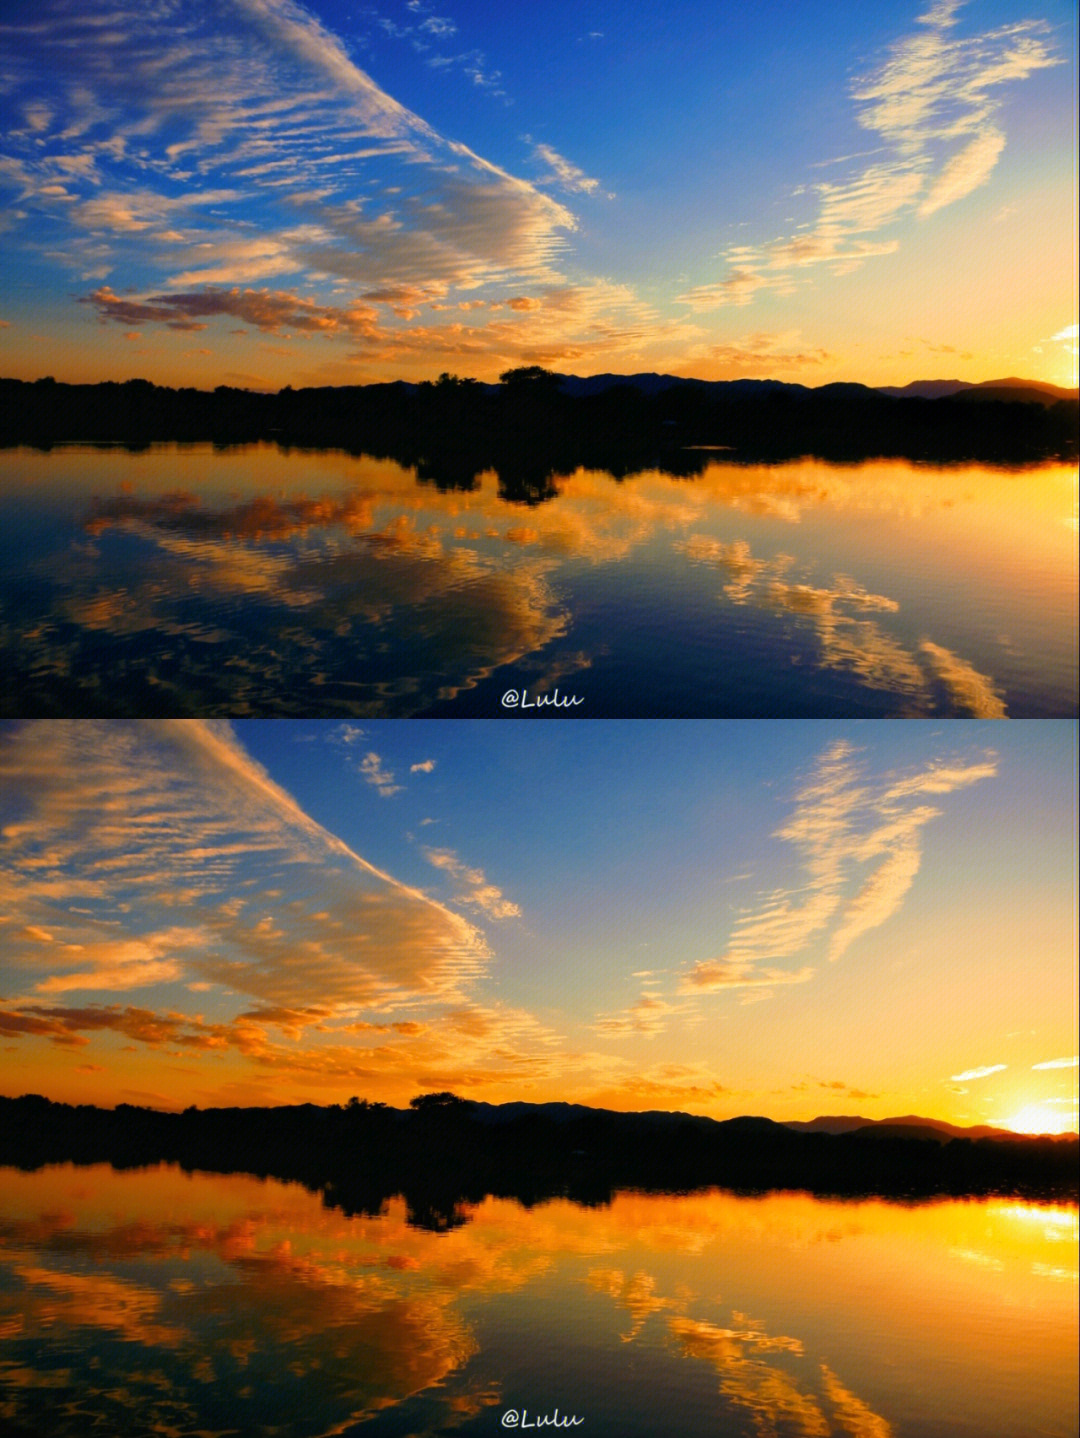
x=264, y=192
x=782, y=918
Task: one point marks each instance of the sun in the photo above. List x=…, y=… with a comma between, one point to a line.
x=1038, y=1118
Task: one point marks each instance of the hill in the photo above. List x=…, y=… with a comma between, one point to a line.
x=1011, y=390
x=908, y=1126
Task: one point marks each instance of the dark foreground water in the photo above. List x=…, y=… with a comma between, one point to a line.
x=156, y=1302
x=255, y=581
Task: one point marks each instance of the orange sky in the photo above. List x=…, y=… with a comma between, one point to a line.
x=785, y=919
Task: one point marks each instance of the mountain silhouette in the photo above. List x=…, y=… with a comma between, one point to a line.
x=444, y=1153
x=905, y=1127
x=1011, y=390
x=538, y=424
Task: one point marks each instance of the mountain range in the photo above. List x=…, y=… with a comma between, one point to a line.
x=1010, y=389
x=910, y=1126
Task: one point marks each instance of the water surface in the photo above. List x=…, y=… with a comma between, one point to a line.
x=154, y=1301
x=259, y=581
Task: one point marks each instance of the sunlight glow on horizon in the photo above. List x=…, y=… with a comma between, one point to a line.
x=1038, y=1118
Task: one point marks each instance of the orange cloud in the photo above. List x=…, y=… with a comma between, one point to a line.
x=120, y=812
x=266, y=310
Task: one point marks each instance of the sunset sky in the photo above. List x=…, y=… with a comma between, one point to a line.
x=262, y=192
x=763, y=917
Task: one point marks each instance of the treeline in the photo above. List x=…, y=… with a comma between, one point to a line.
x=445, y=1153
x=453, y=429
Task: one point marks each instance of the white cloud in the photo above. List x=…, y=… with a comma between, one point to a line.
x=933, y=102
x=978, y=1073
x=476, y=890
x=880, y=896
x=260, y=92
x=966, y=171
x=371, y=766
x=564, y=171
x=1069, y=1063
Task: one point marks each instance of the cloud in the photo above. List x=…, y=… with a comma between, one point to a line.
x=134, y=819
x=858, y=842
x=373, y=771
x=563, y=171
x=739, y=288
x=669, y=1084
x=969, y=1074
x=66, y=1025
x=880, y=896
x=245, y=115
x=123, y=964
x=268, y=310
x=555, y=324
x=466, y=1046
x=426, y=766
x=133, y=211
x=649, y=1015
x=751, y=351
x=712, y=975
x=933, y=103
x=476, y=891
x=965, y=172
x=1069, y=1063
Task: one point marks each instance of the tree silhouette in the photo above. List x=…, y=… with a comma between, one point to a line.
x=532, y=377
x=428, y=1102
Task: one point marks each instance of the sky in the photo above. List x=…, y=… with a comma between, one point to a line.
x=262, y=192
x=776, y=918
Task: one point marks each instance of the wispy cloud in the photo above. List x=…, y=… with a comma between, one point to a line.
x=965, y=172
x=426, y=766
x=784, y=350
x=935, y=103
x=712, y=975
x=476, y=891
x=648, y=1015
x=1069, y=1063
x=563, y=171
x=859, y=847
x=970, y=1074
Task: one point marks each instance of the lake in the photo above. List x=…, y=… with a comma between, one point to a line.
x=155, y=1301
x=189, y=579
